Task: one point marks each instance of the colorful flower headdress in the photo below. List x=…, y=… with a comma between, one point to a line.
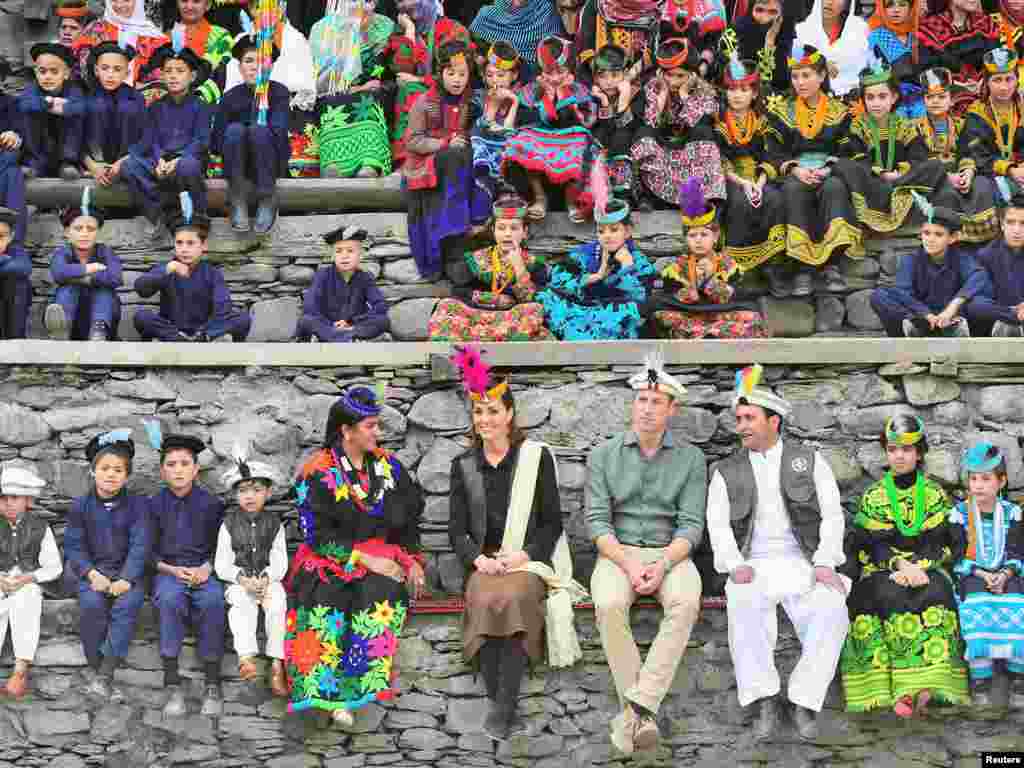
x=495, y=59
x=476, y=374
x=738, y=72
x=936, y=80
x=1000, y=61
x=696, y=212
x=749, y=391
x=876, y=72
x=652, y=376
x=912, y=436
x=803, y=55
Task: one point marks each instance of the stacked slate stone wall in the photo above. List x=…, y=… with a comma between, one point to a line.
x=269, y=275
x=47, y=414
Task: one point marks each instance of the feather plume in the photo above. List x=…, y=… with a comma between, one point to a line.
x=748, y=378
x=736, y=69
x=379, y=388
x=187, y=209
x=115, y=436
x=599, y=185
x=154, y=433
x=654, y=364
x=476, y=374
x=926, y=208
x=1004, y=189
x=86, y=194
x=1001, y=57
x=246, y=22
x=798, y=50
x=691, y=198
x=876, y=62
x=123, y=39
x=240, y=453
x=178, y=38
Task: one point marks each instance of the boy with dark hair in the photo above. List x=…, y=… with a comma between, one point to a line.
x=195, y=303
x=998, y=309
x=53, y=115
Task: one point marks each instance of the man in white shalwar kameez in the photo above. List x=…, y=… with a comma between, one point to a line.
x=776, y=528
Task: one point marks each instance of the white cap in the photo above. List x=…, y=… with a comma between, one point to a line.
x=652, y=376
x=20, y=481
x=748, y=390
x=250, y=470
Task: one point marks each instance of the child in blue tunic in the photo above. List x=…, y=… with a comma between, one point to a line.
x=52, y=111
x=185, y=522
x=255, y=156
x=87, y=274
x=107, y=547
x=12, y=180
x=344, y=303
x=998, y=309
x=195, y=303
x=601, y=292
x=115, y=115
x=988, y=535
x=173, y=154
x=15, y=279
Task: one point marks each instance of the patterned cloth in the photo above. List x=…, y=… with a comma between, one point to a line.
x=607, y=309
x=893, y=48
x=902, y=640
x=523, y=28
x=344, y=621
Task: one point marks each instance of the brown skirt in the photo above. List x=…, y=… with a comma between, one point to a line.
x=504, y=606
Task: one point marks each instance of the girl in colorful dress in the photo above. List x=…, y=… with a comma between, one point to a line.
x=963, y=189
x=1011, y=25
x=443, y=200
x=754, y=228
x=888, y=158
x=602, y=289
x=500, y=116
x=904, y=646
x=558, y=148
x=892, y=36
x=988, y=535
x=699, y=283
x=124, y=22
x=613, y=130
x=208, y=41
x=413, y=50
x=957, y=38
x=993, y=136
x=677, y=139
x=352, y=578
x=808, y=131
x=502, y=305
x=352, y=90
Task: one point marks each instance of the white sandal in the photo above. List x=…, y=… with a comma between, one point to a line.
x=343, y=718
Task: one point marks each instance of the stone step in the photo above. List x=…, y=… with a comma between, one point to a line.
x=296, y=195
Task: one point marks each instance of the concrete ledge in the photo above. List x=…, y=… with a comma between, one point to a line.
x=519, y=355
x=296, y=195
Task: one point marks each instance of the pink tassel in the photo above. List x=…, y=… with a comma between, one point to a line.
x=599, y=186
x=476, y=374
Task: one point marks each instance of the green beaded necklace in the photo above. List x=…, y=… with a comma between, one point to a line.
x=876, y=141
x=915, y=526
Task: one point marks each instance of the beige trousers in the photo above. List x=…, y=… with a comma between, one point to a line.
x=244, y=616
x=644, y=682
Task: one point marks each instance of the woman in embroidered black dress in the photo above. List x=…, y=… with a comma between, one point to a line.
x=352, y=578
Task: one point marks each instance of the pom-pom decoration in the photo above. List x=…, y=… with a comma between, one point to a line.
x=476, y=374
x=178, y=38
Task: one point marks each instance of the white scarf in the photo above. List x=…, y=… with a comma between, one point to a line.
x=849, y=53
x=136, y=26
x=563, y=591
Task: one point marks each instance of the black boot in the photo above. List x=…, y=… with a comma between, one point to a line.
x=502, y=722
x=981, y=692
x=238, y=196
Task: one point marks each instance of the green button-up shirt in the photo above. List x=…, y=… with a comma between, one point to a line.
x=646, y=502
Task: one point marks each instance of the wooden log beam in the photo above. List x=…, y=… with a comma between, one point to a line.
x=296, y=195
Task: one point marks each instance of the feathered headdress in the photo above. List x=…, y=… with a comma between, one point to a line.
x=86, y=199
x=936, y=80
x=116, y=439
x=933, y=214
x=694, y=207
x=926, y=208
x=652, y=376
x=476, y=374
x=750, y=392
x=904, y=430
x=876, y=72
x=178, y=38
x=1000, y=61
x=739, y=73
x=154, y=433
x=187, y=209
x=803, y=55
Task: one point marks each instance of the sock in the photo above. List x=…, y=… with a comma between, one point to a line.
x=171, y=676
x=109, y=664
x=212, y=670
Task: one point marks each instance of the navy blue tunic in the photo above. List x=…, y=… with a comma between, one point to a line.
x=185, y=530
x=1003, y=287
x=115, y=542
x=192, y=302
x=115, y=122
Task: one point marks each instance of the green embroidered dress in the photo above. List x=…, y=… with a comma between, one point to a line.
x=903, y=639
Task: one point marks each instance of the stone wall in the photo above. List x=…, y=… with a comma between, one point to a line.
x=269, y=275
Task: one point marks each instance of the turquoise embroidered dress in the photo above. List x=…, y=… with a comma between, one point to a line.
x=344, y=620
x=610, y=308
x=993, y=625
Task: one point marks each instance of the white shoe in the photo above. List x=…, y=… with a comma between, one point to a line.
x=343, y=719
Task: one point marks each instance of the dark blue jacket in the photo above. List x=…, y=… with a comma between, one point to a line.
x=115, y=542
x=236, y=106
x=1003, y=287
x=65, y=266
x=192, y=302
x=115, y=123
x=178, y=129
x=15, y=262
x=185, y=530
x=926, y=287
x=358, y=301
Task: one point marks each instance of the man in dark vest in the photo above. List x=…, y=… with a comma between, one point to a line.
x=776, y=527
x=28, y=558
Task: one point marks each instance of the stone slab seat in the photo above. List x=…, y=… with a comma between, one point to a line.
x=296, y=195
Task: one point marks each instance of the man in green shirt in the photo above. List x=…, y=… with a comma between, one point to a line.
x=647, y=492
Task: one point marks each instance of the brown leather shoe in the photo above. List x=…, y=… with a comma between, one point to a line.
x=278, y=680
x=247, y=669
x=17, y=685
